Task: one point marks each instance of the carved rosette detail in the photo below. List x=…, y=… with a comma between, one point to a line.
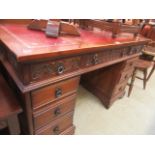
x=66, y=65
x=41, y=70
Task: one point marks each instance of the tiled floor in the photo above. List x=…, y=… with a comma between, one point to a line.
x=134, y=115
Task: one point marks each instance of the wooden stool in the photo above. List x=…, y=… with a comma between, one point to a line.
x=141, y=65
x=9, y=109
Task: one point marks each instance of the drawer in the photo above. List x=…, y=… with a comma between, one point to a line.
x=69, y=131
x=117, y=96
x=40, y=71
x=126, y=75
x=54, y=92
x=130, y=64
x=54, y=111
x=58, y=126
x=120, y=87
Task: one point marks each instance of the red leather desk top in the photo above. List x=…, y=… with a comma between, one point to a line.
x=30, y=45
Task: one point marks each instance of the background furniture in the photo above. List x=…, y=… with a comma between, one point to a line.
x=9, y=109
x=46, y=72
x=143, y=64
x=114, y=27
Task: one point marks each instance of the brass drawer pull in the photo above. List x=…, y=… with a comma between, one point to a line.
x=58, y=92
x=60, y=68
x=57, y=111
x=56, y=130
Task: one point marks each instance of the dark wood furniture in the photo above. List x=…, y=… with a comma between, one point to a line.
x=114, y=27
x=9, y=109
x=46, y=72
x=109, y=83
x=143, y=64
x=146, y=60
x=148, y=31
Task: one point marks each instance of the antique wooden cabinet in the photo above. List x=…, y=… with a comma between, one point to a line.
x=46, y=72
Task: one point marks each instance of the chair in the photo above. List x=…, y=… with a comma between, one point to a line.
x=143, y=66
x=9, y=109
x=147, y=58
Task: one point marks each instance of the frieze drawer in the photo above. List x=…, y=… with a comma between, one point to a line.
x=54, y=92
x=54, y=68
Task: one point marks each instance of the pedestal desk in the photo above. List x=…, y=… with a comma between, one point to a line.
x=46, y=72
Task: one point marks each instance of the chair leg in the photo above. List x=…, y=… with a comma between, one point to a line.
x=145, y=79
x=151, y=72
x=132, y=82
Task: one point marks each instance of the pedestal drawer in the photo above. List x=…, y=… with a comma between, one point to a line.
x=120, y=87
x=54, y=92
x=69, y=131
x=130, y=64
x=58, y=126
x=53, y=111
x=126, y=75
x=117, y=96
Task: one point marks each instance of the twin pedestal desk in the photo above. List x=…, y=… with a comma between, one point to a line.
x=45, y=72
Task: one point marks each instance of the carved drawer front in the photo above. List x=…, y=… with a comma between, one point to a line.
x=120, y=87
x=58, y=126
x=69, y=131
x=126, y=75
x=54, y=68
x=54, y=92
x=56, y=110
x=136, y=49
x=104, y=56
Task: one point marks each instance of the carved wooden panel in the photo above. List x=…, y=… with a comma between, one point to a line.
x=37, y=71
x=54, y=68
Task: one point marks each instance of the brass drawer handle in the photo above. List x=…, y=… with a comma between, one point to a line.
x=60, y=68
x=57, y=111
x=58, y=92
x=56, y=130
